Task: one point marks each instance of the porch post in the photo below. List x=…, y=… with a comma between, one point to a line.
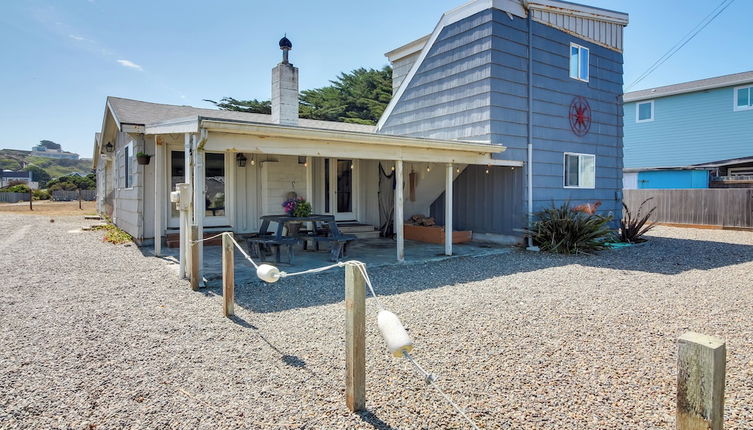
x=187, y=221
x=399, y=210
x=159, y=172
x=199, y=203
x=448, y=211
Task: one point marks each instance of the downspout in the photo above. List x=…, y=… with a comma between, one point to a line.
x=529, y=164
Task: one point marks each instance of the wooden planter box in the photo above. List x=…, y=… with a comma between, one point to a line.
x=434, y=234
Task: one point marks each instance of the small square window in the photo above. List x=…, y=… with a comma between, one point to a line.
x=744, y=98
x=580, y=170
x=644, y=111
x=579, y=62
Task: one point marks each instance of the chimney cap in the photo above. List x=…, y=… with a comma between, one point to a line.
x=285, y=44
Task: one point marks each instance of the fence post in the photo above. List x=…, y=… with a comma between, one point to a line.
x=31, y=198
x=193, y=238
x=355, y=339
x=79, y=199
x=701, y=367
x=228, y=275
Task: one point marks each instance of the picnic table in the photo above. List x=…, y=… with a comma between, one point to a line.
x=324, y=229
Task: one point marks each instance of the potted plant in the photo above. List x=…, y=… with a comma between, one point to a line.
x=143, y=158
x=296, y=207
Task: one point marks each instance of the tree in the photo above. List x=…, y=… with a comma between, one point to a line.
x=50, y=144
x=38, y=174
x=357, y=97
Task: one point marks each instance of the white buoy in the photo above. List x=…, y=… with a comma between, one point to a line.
x=394, y=333
x=268, y=273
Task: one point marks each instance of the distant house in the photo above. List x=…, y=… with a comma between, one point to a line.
x=8, y=176
x=672, y=132
x=510, y=104
x=43, y=151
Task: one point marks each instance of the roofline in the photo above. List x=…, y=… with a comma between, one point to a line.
x=628, y=98
x=581, y=10
x=409, y=48
x=274, y=130
x=655, y=169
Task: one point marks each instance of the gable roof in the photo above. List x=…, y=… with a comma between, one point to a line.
x=690, y=87
x=136, y=112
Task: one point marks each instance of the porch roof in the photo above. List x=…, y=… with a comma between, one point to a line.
x=253, y=137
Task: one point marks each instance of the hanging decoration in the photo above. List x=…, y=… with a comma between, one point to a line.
x=580, y=116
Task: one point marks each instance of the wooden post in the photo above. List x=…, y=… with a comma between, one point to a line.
x=701, y=367
x=448, y=211
x=399, y=211
x=228, y=274
x=355, y=339
x=79, y=199
x=31, y=198
x=195, y=273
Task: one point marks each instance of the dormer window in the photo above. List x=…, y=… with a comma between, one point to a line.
x=579, y=61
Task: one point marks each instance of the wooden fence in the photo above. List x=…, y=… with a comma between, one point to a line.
x=67, y=196
x=722, y=207
x=13, y=197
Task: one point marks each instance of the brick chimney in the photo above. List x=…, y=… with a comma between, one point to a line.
x=285, y=89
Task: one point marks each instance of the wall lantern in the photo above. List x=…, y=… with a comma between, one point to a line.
x=109, y=147
x=241, y=159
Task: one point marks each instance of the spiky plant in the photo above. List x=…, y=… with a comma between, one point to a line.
x=632, y=228
x=564, y=230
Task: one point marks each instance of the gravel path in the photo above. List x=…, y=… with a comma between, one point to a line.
x=98, y=336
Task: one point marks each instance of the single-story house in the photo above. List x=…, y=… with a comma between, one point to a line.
x=506, y=107
x=9, y=176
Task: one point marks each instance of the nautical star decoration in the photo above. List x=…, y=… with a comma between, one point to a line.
x=580, y=116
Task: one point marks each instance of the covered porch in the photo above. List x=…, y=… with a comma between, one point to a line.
x=246, y=170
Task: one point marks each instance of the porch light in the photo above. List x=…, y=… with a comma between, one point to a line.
x=428, y=168
x=253, y=160
x=351, y=166
x=109, y=147
x=487, y=169
x=457, y=170
x=241, y=159
x=302, y=160
x=393, y=168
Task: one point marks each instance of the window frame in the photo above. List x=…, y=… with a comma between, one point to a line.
x=578, y=73
x=564, y=170
x=128, y=157
x=638, y=110
x=737, y=108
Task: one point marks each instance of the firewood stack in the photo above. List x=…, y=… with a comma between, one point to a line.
x=422, y=220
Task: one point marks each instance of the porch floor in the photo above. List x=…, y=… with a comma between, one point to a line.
x=373, y=252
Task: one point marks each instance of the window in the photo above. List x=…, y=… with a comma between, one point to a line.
x=580, y=170
x=579, y=62
x=744, y=98
x=644, y=111
x=127, y=154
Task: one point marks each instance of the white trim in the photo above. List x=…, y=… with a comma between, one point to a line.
x=580, y=10
x=580, y=48
x=409, y=48
x=655, y=94
x=564, y=170
x=637, y=111
x=737, y=108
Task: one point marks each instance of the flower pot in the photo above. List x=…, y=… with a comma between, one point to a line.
x=143, y=159
x=294, y=227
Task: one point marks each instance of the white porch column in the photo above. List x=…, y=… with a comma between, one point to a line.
x=399, y=211
x=199, y=200
x=159, y=186
x=448, y=211
x=185, y=226
x=309, y=180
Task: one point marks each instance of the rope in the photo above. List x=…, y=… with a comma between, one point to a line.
x=207, y=238
x=248, y=257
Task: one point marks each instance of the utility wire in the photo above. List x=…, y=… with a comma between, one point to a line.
x=684, y=41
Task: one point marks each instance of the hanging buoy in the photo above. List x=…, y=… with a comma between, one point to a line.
x=394, y=333
x=267, y=273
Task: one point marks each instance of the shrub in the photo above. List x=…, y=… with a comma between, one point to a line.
x=564, y=230
x=41, y=195
x=633, y=227
x=114, y=235
x=18, y=188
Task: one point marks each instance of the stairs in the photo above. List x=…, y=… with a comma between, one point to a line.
x=361, y=231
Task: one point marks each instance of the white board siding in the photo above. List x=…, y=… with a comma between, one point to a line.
x=400, y=69
x=276, y=181
x=127, y=203
x=603, y=33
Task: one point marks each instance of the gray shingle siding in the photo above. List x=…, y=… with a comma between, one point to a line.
x=473, y=84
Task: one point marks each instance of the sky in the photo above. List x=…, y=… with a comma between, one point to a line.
x=62, y=58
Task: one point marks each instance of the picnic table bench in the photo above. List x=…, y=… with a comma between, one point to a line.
x=324, y=229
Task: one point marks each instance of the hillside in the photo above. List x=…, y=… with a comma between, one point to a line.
x=13, y=159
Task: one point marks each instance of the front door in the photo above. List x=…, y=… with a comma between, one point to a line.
x=340, y=185
x=214, y=187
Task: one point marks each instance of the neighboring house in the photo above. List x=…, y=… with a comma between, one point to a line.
x=733, y=173
x=43, y=151
x=9, y=176
x=513, y=105
x=671, y=131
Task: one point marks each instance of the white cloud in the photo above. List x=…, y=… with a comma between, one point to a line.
x=77, y=38
x=130, y=65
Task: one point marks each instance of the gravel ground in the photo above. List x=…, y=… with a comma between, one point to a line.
x=99, y=336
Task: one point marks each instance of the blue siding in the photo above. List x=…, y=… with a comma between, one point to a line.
x=473, y=85
x=673, y=179
x=688, y=129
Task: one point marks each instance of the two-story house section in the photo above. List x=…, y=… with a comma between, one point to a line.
x=544, y=79
x=673, y=132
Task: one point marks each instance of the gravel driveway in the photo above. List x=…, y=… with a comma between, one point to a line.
x=98, y=336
